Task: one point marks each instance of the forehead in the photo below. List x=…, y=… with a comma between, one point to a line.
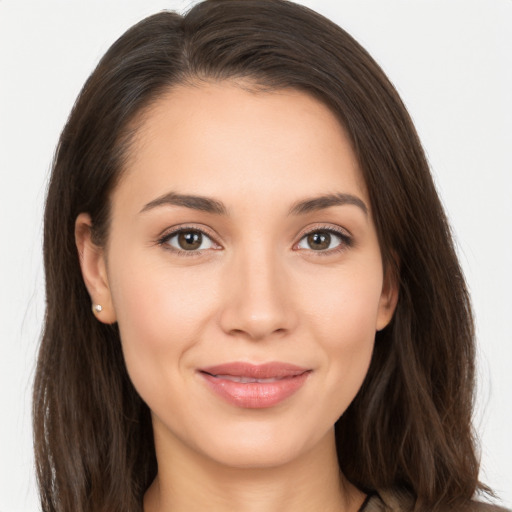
x=219, y=139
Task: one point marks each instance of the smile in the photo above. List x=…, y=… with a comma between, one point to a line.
x=255, y=386
x=246, y=380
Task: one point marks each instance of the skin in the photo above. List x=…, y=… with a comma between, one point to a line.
x=255, y=291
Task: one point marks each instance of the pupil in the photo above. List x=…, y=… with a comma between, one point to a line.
x=190, y=240
x=319, y=241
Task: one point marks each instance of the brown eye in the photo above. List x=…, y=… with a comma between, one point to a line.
x=319, y=241
x=190, y=240
x=324, y=240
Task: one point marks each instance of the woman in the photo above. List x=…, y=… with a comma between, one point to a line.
x=242, y=197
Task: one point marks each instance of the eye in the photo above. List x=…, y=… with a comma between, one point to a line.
x=188, y=240
x=324, y=240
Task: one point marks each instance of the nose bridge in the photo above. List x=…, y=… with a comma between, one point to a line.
x=259, y=303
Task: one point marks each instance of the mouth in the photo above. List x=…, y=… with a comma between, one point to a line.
x=246, y=380
x=255, y=386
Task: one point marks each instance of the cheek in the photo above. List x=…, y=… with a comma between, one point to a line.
x=344, y=306
x=343, y=322
x=161, y=314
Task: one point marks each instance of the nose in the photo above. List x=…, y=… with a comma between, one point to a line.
x=258, y=301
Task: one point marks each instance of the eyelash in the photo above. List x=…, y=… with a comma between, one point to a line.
x=346, y=240
x=163, y=241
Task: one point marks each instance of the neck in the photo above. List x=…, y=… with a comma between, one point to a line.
x=187, y=481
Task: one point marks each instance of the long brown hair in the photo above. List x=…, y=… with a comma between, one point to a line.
x=410, y=424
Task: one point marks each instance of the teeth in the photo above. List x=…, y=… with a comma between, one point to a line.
x=246, y=380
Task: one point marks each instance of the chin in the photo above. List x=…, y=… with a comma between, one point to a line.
x=260, y=447
x=255, y=457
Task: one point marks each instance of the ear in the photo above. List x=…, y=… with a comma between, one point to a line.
x=389, y=297
x=94, y=269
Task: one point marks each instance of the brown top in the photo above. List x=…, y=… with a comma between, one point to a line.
x=393, y=500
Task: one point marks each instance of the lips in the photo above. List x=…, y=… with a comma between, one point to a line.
x=255, y=386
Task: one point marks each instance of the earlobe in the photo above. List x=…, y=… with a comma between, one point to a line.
x=388, y=299
x=94, y=270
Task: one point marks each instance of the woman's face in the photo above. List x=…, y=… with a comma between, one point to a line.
x=244, y=271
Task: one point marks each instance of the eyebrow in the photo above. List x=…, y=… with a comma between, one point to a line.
x=204, y=204
x=209, y=205
x=326, y=201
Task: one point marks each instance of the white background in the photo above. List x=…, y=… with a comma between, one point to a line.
x=451, y=62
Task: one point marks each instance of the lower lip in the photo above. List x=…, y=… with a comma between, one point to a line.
x=256, y=395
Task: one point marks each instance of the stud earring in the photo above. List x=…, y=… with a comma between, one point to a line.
x=97, y=308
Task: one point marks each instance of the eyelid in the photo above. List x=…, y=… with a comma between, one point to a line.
x=345, y=236
x=174, y=230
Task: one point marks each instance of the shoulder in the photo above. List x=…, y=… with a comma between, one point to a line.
x=397, y=500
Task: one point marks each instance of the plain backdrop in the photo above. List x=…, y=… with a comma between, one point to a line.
x=449, y=59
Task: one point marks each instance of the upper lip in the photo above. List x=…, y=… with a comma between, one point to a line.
x=273, y=370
